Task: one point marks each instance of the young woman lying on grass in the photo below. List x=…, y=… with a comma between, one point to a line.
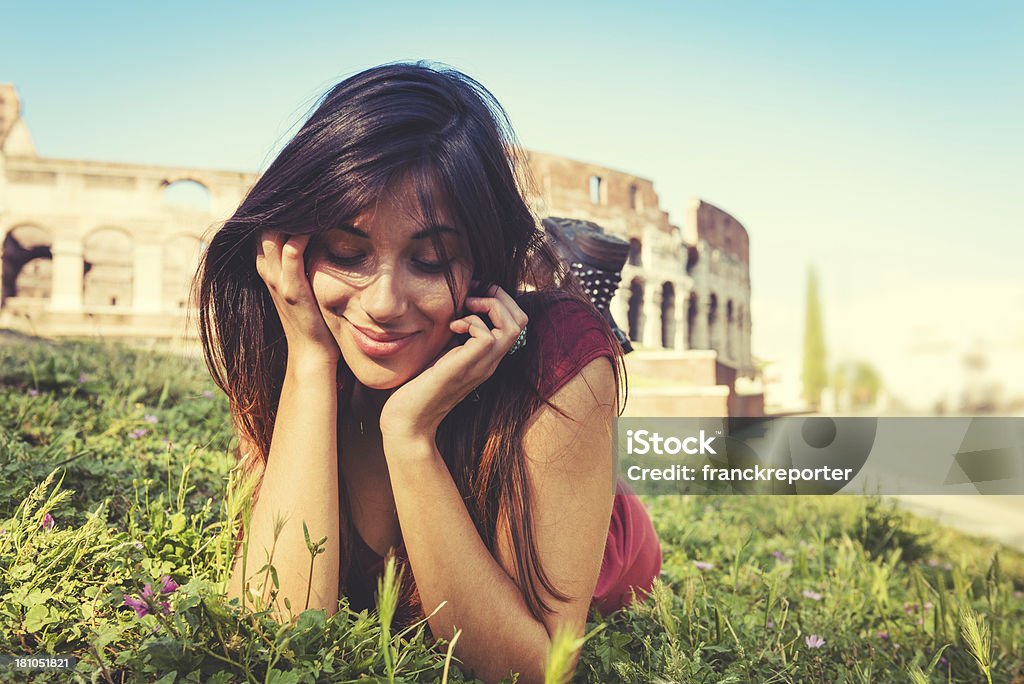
x=410, y=374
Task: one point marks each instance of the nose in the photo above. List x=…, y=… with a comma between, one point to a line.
x=383, y=299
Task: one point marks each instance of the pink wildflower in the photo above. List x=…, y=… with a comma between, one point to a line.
x=82, y=377
x=138, y=605
x=813, y=595
x=47, y=523
x=702, y=565
x=814, y=641
x=779, y=556
x=167, y=585
x=149, y=599
x=884, y=636
x=151, y=419
x=33, y=392
x=135, y=434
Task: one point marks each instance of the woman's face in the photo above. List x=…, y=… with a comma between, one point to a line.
x=381, y=288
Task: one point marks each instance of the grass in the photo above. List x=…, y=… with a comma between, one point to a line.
x=129, y=454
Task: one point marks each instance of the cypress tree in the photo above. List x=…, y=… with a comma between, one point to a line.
x=815, y=375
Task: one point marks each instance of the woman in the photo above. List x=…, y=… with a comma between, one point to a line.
x=394, y=388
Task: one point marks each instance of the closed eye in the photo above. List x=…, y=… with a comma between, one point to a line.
x=430, y=267
x=353, y=260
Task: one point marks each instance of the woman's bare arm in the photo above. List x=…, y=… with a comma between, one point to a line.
x=300, y=483
x=570, y=466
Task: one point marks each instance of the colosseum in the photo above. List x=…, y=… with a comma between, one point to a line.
x=93, y=248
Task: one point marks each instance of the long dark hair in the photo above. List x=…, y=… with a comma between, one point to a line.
x=431, y=125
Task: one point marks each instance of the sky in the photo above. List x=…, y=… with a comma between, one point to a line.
x=878, y=142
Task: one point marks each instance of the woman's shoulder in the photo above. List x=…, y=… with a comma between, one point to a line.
x=565, y=335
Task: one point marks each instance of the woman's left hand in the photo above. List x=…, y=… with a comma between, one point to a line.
x=417, y=408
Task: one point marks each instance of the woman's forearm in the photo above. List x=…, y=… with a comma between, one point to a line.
x=300, y=483
x=499, y=634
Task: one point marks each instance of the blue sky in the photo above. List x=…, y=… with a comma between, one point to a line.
x=878, y=141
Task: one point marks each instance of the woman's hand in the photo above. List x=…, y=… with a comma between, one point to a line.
x=281, y=265
x=417, y=408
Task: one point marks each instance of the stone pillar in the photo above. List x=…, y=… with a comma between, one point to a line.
x=147, y=278
x=733, y=332
x=68, y=268
x=715, y=327
x=651, y=326
x=682, y=302
x=701, y=334
x=748, y=360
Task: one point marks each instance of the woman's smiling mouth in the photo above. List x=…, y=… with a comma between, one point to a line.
x=377, y=343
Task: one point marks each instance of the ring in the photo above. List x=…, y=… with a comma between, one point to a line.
x=519, y=343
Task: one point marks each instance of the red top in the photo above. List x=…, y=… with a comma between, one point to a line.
x=569, y=337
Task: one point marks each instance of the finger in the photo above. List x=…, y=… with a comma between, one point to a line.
x=294, y=282
x=515, y=312
x=501, y=317
x=475, y=326
x=271, y=249
x=293, y=249
x=266, y=258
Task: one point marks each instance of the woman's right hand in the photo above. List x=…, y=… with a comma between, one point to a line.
x=280, y=262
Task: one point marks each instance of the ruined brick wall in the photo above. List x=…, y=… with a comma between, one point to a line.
x=721, y=231
x=622, y=203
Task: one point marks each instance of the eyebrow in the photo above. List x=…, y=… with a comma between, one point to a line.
x=418, y=235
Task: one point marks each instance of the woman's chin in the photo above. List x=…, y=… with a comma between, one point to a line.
x=378, y=378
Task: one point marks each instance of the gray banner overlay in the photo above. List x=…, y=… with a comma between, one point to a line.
x=821, y=455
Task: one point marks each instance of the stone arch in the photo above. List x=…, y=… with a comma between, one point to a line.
x=27, y=263
x=713, y=321
x=180, y=261
x=636, y=309
x=185, y=193
x=668, y=315
x=635, y=252
x=109, y=255
x=692, y=258
x=729, y=332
